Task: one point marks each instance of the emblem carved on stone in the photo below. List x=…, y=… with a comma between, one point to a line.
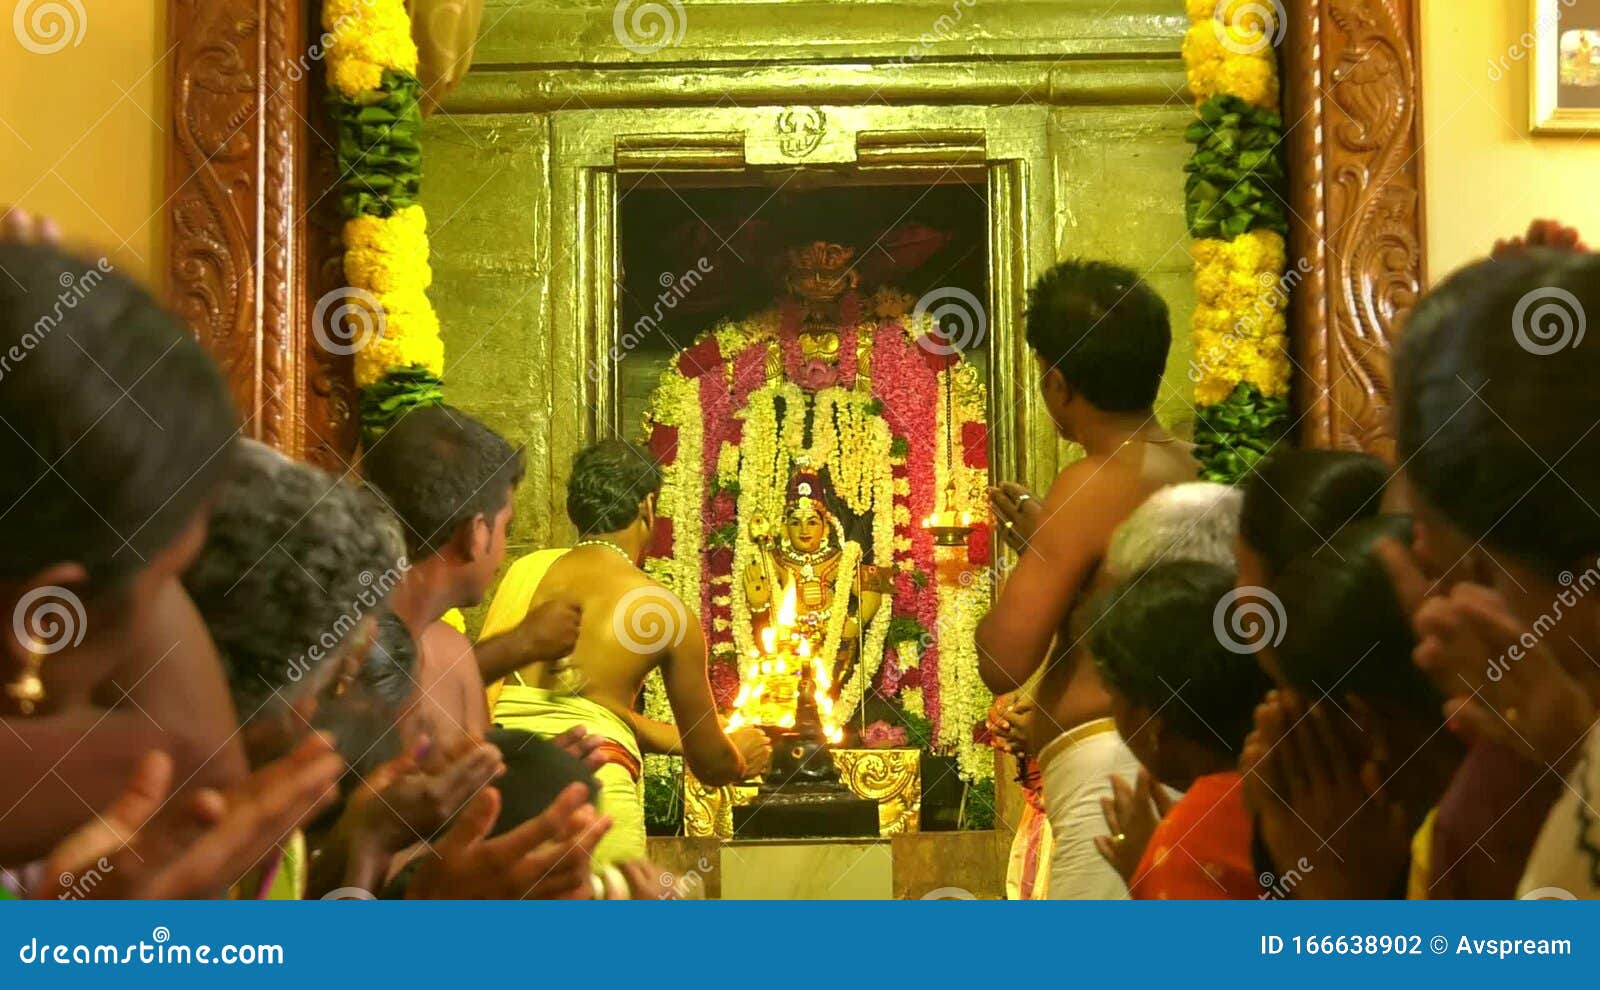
x=800, y=130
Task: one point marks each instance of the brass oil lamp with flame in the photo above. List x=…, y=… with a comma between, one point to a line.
x=788, y=697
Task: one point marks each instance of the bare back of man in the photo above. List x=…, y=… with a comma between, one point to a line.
x=1039, y=618
x=631, y=625
x=1070, y=691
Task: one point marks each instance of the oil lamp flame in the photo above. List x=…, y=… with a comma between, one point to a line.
x=787, y=608
x=784, y=652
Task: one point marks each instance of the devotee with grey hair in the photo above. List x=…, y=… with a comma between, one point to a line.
x=1197, y=521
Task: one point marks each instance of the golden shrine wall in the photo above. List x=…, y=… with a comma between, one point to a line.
x=1073, y=115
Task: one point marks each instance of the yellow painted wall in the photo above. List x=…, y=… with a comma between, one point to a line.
x=1486, y=175
x=82, y=129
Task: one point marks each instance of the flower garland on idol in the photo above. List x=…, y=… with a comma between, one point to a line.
x=1235, y=211
x=374, y=98
x=728, y=438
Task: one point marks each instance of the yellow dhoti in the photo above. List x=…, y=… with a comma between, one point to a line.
x=547, y=713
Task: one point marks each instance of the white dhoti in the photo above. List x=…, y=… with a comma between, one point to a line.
x=1076, y=768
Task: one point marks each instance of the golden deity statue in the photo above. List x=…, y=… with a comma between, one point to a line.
x=806, y=558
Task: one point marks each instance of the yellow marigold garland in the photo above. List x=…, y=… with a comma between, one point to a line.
x=364, y=39
x=1241, y=367
x=372, y=62
x=1228, y=50
x=1239, y=324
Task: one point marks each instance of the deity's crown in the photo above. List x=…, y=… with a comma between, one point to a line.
x=805, y=484
x=822, y=262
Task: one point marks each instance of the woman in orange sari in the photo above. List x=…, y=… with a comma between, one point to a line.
x=1184, y=703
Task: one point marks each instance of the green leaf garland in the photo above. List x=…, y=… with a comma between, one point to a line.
x=1236, y=175
x=1232, y=436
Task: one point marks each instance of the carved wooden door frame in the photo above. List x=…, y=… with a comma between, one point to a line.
x=1352, y=102
x=252, y=232
x=253, y=239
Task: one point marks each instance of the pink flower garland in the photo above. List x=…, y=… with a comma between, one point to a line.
x=903, y=383
x=719, y=400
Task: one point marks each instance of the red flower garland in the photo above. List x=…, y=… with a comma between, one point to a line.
x=904, y=383
x=975, y=445
x=664, y=444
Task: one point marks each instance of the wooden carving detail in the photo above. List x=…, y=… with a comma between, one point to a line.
x=330, y=396
x=1352, y=99
x=211, y=181
x=239, y=176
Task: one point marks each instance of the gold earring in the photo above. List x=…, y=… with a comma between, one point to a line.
x=28, y=689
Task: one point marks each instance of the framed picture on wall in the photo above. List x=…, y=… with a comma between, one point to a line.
x=1565, y=81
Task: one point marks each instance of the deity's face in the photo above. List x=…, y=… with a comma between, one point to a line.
x=805, y=527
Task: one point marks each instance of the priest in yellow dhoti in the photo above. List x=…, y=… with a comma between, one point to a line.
x=540, y=699
x=628, y=626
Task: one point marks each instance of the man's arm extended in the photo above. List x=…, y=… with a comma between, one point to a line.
x=657, y=738
x=708, y=752
x=1085, y=504
x=547, y=633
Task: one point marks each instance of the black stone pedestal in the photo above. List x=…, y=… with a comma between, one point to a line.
x=803, y=798
x=806, y=811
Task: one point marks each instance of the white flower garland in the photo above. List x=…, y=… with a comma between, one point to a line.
x=656, y=705
x=824, y=447
x=875, y=456
x=756, y=455
x=792, y=443
x=849, y=561
x=682, y=498
x=963, y=698
x=727, y=464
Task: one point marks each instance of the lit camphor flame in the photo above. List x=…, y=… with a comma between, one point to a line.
x=786, y=609
x=783, y=653
x=824, y=702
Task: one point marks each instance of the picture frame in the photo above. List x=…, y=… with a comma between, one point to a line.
x=1564, y=71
